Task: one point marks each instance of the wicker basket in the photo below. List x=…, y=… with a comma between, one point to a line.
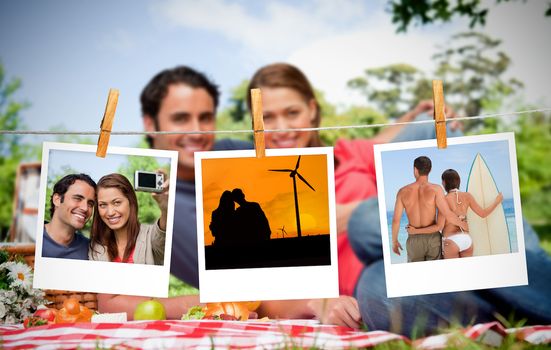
x=57, y=297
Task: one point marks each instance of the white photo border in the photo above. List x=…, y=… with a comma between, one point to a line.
x=450, y=275
x=274, y=283
x=98, y=276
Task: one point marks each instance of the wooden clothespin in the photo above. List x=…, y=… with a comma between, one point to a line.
x=258, y=123
x=107, y=122
x=439, y=115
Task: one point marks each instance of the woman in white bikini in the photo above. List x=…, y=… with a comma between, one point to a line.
x=456, y=243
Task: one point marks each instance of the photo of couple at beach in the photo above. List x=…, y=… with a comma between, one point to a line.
x=452, y=203
x=451, y=219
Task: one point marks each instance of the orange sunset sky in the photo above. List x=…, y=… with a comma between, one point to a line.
x=272, y=190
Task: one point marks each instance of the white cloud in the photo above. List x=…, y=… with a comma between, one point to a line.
x=275, y=30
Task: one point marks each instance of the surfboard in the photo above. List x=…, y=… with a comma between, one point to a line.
x=490, y=235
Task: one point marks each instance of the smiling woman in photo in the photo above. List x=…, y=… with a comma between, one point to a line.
x=117, y=234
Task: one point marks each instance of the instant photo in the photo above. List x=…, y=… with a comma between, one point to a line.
x=88, y=205
x=266, y=227
x=451, y=218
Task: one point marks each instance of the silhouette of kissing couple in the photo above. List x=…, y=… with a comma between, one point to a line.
x=245, y=225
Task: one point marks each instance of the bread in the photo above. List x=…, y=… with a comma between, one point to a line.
x=238, y=310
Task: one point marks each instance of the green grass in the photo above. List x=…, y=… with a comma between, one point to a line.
x=178, y=287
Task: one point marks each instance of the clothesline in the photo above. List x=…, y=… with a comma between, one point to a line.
x=337, y=127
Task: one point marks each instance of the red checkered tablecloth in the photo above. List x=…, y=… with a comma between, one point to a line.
x=209, y=334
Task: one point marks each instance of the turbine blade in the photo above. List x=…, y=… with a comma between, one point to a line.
x=298, y=161
x=306, y=182
x=282, y=170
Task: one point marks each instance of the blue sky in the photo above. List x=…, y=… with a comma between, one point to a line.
x=88, y=163
x=398, y=166
x=69, y=53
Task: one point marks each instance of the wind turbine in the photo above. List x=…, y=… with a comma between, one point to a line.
x=283, y=232
x=293, y=174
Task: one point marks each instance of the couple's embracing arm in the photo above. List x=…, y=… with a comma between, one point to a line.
x=444, y=210
x=438, y=226
x=444, y=214
x=398, y=210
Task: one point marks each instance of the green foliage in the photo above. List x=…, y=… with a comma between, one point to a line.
x=428, y=11
x=544, y=233
x=236, y=116
x=177, y=287
x=392, y=89
x=354, y=115
x=472, y=68
x=148, y=212
x=11, y=152
x=224, y=121
x=423, y=12
x=4, y=256
x=238, y=110
x=533, y=137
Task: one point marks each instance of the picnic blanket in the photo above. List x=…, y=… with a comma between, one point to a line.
x=209, y=334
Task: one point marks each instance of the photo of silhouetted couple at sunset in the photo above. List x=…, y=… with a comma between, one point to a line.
x=267, y=212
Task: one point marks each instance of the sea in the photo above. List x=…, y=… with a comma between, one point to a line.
x=508, y=207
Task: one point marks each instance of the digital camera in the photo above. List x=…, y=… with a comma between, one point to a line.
x=147, y=181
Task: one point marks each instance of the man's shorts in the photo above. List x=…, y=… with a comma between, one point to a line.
x=423, y=247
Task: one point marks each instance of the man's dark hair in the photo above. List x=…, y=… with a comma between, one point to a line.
x=62, y=186
x=238, y=195
x=157, y=89
x=451, y=180
x=423, y=165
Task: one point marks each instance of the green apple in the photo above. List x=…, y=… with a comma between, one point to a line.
x=150, y=310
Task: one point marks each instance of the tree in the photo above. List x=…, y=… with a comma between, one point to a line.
x=470, y=66
x=391, y=88
x=354, y=115
x=224, y=121
x=236, y=115
x=11, y=151
x=424, y=12
x=238, y=110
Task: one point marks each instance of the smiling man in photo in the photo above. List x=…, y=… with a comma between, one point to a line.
x=72, y=204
